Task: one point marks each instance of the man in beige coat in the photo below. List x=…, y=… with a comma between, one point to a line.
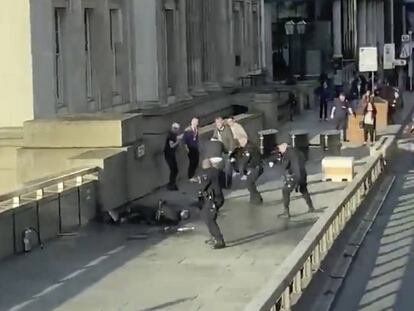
x=237, y=130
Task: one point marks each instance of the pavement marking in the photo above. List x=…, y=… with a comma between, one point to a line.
x=48, y=290
x=116, y=250
x=73, y=275
x=97, y=261
x=21, y=305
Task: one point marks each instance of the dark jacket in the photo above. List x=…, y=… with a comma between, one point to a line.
x=251, y=157
x=225, y=135
x=212, y=149
x=191, y=138
x=293, y=162
x=210, y=185
x=168, y=151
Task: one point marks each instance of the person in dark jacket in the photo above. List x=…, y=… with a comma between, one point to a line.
x=212, y=199
x=358, y=89
x=192, y=144
x=251, y=166
x=325, y=95
x=340, y=112
x=171, y=144
x=292, y=104
x=295, y=177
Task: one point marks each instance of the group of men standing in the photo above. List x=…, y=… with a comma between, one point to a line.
x=229, y=153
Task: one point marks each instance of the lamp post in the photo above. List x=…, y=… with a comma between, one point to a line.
x=290, y=30
x=301, y=26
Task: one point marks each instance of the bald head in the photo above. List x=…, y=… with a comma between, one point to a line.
x=194, y=123
x=206, y=164
x=282, y=147
x=243, y=141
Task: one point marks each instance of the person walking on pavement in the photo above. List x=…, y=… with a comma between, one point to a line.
x=325, y=96
x=295, y=177
x=224, y=134
x=340, y=112
x=192, y=144
x=251, y=166
x=292, y=104
x=369, y=121
x=212, y=199
x=171, y=144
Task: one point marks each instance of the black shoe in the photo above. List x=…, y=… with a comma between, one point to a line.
x=172, y=187
x=218, y=245
x=209, y=241
x=285, y=214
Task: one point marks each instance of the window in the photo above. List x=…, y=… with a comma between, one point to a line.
x=169, y=24
x=88, y=54
x=59, y=81
x=115, y=24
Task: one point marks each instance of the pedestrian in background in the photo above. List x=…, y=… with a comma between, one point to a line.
x=325, y=95
x=340, y=112
x=292, y=104
x=369, y=120
x=191, y=141
x=170, y=149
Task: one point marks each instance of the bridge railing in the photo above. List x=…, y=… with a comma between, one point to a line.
x=296, y=272
x=50, y=206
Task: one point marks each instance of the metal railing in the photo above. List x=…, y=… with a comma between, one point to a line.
x=296, y=272
x=43, y=187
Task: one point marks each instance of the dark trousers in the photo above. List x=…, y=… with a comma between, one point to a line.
x=193, y=158
x=209, y=216
x=341, y=125
x=228, y=172
x=255, y=173
x=323, y=109
x=172, y=164
x=303, y=189
x=369, y=129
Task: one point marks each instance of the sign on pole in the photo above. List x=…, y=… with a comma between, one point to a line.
x=389, y=55
x=368, y=59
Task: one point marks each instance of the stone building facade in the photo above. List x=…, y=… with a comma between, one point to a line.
x=82, y=56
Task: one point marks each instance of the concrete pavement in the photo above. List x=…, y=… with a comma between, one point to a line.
x=135, y=267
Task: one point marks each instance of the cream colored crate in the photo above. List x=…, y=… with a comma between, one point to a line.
x=338, y=169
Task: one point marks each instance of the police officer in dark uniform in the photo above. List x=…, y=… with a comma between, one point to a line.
x=340, y=112
x=212, y=199
x=293, y=162
x=251, y=166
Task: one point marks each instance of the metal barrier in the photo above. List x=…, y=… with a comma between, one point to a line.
x=34, y=193
x=296, y=272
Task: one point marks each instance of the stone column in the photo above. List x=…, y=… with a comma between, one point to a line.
x=268, y=7
x=224, y=46
x=210, y=69
x=195, y=47
x=181, y=56
x=391, y=25
x=362, y=23
x=380, y=29
x=337, y=28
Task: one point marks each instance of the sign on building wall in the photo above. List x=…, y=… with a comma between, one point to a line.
x=368, y=59
x=389, y=55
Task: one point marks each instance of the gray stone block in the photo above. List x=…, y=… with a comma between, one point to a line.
x=49, y=217
x=69, y=207
x=88, y=201
x=6, y=234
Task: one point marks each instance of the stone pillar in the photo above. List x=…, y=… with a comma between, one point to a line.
x=210, y=69
x=268, y=7
x=369, y=23
x=181, y=56
x=225, y=58
x=362, y=23
x=380, y=29
x=337, y=28
x=195, y=47
x=391, y=22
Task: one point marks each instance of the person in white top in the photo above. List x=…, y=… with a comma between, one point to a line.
x=237, y=129
x=370, y=113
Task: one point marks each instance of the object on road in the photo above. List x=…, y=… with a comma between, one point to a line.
x=30, y=237
x=330, y=142
x=300, y=140
x=355, y=132
x=338, y=169
x=268, y=141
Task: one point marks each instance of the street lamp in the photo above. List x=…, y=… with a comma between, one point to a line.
x=290, y=31
x=301, y=31
x=301, y=27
